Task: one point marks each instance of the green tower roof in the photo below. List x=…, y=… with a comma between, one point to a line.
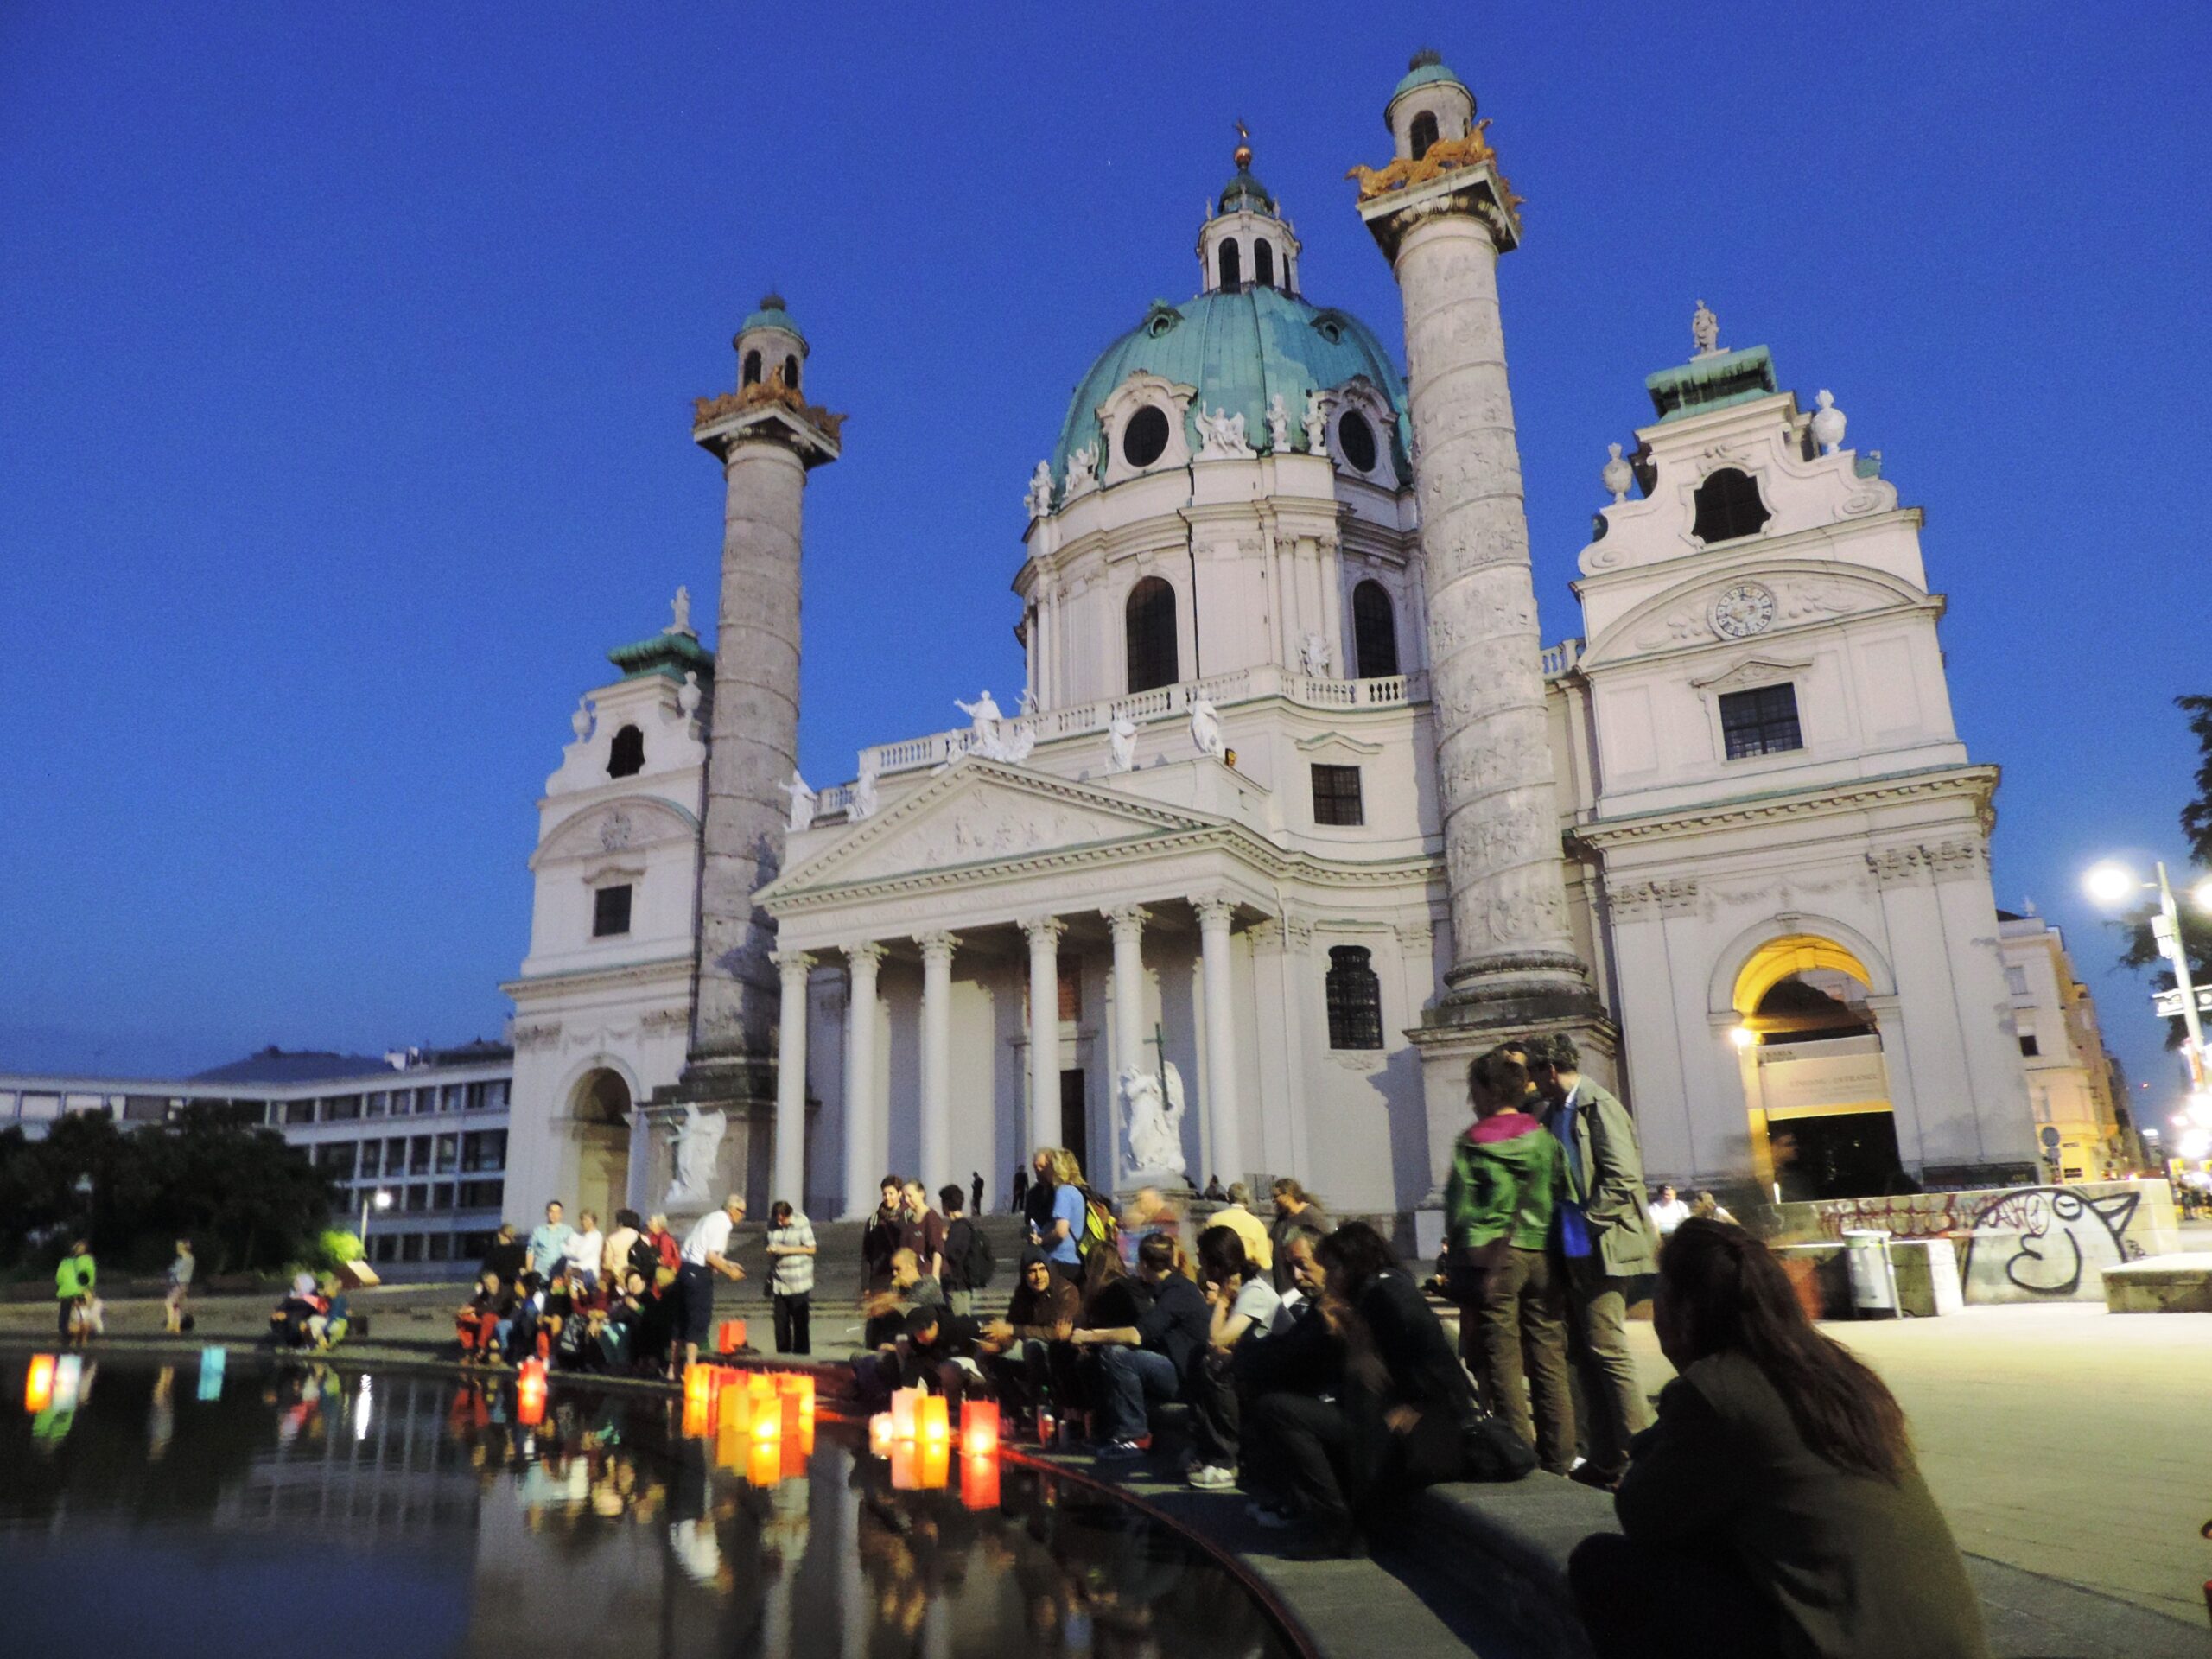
x=1711, y=382
x=1427, y=69
x=771, y=314
x=665, y=654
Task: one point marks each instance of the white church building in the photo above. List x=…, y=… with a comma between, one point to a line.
x=1296, y=811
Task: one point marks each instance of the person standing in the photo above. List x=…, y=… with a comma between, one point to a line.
x=72, y=1285
x=967, y=1253
x=1237, y=1216
x=506, y=1256
x=1297, y=1211
x=1498, y=1207
x=1775, y=1507
x=1018, y=1191
x=1059, y=1180
x=1669, y=1211
x=1602, y=1237
x=791, y=1281
x=931, y=1226
x=584, y=1252
x=976, y=1193
x=615, y=1263
x=179, y=1287
x=549, y=1243
x=706, y=1251
x=884, y=1237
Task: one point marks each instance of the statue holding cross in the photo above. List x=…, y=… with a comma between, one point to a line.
x=1153, y=1107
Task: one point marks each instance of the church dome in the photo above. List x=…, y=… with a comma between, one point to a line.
x=1239, y=347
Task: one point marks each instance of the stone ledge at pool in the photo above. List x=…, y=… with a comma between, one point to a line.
x=2180, y=1283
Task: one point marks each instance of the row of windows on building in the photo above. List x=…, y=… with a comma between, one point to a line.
x=1148, y=619
x=35, y=1105
x=477, y=1152
x=387, y=1248
x=1231, y=261
x=433, y=1198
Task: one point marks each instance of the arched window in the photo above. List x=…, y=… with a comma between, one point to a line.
x=752, y=376
x=1232, y=264
x=1355, y=999
x=626, y=756
x=1424, y=133
x=1728, y=506
x=1263, y=263
x=790, y=372
x=1151, y=620
x=1374, y=631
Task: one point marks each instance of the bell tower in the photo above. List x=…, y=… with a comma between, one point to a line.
x=767, y=437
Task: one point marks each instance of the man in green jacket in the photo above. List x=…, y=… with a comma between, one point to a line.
x=1498, y=1203
x=73, y=1280
x=1603, y=1236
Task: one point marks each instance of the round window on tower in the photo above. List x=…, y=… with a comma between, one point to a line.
x=1144, y=439
x=1357, y=439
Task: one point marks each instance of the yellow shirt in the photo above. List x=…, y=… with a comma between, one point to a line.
x=1259, y=1250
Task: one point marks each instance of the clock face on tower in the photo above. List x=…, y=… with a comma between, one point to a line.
x=1744, y=610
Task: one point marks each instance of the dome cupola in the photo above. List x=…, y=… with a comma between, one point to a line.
x=1246, y=242
x=769, y=346
x=1430, y=103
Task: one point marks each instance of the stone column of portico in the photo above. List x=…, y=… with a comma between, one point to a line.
x=1127, y=925
x=863, y=1111
x=790, y=1183
x=1514, y=957
x=1043, y=935
x=937, y=1057
x=1215, y=916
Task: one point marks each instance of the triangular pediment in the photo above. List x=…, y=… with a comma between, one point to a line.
x=979, y=812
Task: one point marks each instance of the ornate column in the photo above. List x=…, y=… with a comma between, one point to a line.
x=1215, y=915
x=1514, y=958
x=790, y=1183
x=937, y=1057
x=1127, y=925
x=767, y=439
x=1044, y=934
x=863, y=1111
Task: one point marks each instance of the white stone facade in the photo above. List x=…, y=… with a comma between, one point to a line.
x=2070, y=1090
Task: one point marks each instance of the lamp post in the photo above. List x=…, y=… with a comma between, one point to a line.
x=2109, y=884
x=380, y=1199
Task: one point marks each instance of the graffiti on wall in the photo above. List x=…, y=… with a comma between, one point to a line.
x=2025, y=1242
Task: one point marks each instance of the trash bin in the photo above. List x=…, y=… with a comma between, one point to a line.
x=1874, y=1278
x=1943, y=1273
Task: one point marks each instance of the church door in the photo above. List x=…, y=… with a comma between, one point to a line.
x=1075, y=1124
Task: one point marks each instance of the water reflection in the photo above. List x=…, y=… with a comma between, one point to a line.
x=403, y=1513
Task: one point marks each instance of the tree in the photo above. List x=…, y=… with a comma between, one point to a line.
x=2142, y=949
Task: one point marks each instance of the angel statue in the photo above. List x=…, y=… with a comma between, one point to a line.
x=681, y=606
x=1039, y=498
x=1016, y=739
x=1314, y=657
x=1155, y=1120
x=1704, y=329
x=1278, y=425
x=862, y=803
x=1205, y=728
x=698, y=1142
x=802, y=800
x=1221, y=434
x=983, y=718
x=1082, y=469
x=1122, y=743
x=1316, y=423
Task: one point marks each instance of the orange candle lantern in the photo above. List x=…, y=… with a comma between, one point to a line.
x=734, y=1404
x=767, y=1423
x=979, y=1427
x=698, y=1417
x=530, y=1394
x=905, y=1407
x=879, y=1435
x=936, y=1465
x=730, y=1336
x=804, y=1438
x=979, y=1482
x=766, y=1465
x=905, y=1467
x=934, y=1430
x=38, y=1384
x=699, y=1385
x=796, y=1452
x=732, y=1443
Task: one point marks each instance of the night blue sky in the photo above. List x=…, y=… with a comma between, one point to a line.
x=347, y=353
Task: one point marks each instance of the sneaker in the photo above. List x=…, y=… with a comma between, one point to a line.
x=1212, y=1477
x=1118, y=1451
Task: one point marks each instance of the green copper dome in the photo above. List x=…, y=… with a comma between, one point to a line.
x=1246, y=191
x=1239, y=349
x=771, y=314
x=1425, y=70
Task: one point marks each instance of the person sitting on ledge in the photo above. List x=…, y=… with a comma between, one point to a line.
x=1022, y=1349
x=1151, y=1360
x=288, y=1320
x=327, y=1329
x=1775, y=1508
x=476, y=1324
x=937, y=1353
x=908, y=1288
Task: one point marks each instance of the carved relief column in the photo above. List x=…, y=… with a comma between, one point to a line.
x=1043, y=935
x=1514, y=957
x=790, y=1182
x=864, y=1125
x=937, y=1057
x=1215, y=916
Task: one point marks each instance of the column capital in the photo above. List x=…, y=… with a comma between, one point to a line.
x=1043, y=931
x=937, y=945
x=1215, y=912
x=868, y=951
x=1126, y=919
x=795, y=964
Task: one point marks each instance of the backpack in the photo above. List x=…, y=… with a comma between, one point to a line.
x=972, y=1262
x=645, y=1256
x=1097, y=1224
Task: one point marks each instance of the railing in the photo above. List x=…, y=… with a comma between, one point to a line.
x=1562, y=657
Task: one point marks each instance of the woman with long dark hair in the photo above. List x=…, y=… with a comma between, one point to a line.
x=1775, y=1508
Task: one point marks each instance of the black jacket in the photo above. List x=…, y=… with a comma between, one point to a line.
x=1425, y=1373
x=1178, y=1324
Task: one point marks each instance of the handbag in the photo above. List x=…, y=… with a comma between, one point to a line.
x=1492, y=1451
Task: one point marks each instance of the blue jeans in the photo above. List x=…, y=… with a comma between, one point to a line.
x=1129, y=1377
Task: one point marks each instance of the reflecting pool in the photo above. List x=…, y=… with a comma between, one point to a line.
x=247, y=1508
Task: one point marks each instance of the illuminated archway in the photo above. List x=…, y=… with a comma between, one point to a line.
x=1793, y=953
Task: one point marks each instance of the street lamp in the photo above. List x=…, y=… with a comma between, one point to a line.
x=380, y=1199
x=2111, y=884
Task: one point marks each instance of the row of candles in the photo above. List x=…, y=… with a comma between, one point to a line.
x=760, y=1421
x=51, y=1382
x=916, y=1436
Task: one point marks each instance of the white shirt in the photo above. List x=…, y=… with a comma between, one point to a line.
x=1258, y=1302
x=584, y=1250
x=709, y=1235
x=1667, y=1216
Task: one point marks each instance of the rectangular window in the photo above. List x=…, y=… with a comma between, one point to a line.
x=371, y=1160
x=483, y=1151
x=2015, y=981
x=495, y=1095
x=1762, y=720
x=385, y=1247
x=610, y=910
x=449, y=1153
x=342, y=1109
x=2029, y=1047
x=377, y=1104
x=418, y=1155
x=299, y=1111
x=410, y=1247
x=1069, y=970
x=449, y=1100
x=483, y=1195
x=335, y=1159
x=441, y=1247
x=1336, y=796
x=395, y=1157
x=441, y=1196
x=418, y=1198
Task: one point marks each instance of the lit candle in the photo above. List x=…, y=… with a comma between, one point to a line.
x=68, y=1372
x=698, y=1417
x=211, y=1373
x=979, y=1482
x=766, y=1466
x=698, y=1384
x=767, y=1425
x=735, y=1406
x=934, y=1431
x=904, y=1465
x=904, y=1406
x=880, y=1436
x=936, y=1465
x=979, y=1427
x=38, y=1384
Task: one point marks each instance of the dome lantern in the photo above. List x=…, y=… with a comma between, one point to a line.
x=1246, y=242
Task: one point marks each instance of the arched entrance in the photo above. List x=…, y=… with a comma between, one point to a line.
x=599, y=1116
x=1814, y=1072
